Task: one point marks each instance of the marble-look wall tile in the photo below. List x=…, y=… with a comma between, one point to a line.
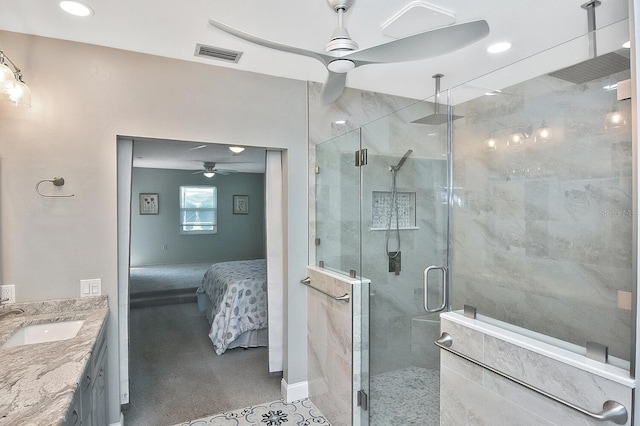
x=474, y=395
x=336, y=342
x=542, y=237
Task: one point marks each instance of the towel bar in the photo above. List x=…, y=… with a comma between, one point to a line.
x=344, y=298
x=611, y=410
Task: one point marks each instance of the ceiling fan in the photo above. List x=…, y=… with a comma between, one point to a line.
x=342, y=55
x=209, y=170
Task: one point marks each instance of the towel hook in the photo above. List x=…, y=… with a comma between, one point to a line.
x=57, y=181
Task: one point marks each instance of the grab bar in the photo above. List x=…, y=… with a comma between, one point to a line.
x=611, y=410
x=344, y=298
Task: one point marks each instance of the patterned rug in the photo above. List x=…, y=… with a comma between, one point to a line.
x=276, y=413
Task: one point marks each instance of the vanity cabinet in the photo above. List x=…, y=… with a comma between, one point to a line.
x=89, y=406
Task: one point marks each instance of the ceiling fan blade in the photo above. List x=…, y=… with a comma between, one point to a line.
x=322, y=57
x=424, y=45
x=333, y=87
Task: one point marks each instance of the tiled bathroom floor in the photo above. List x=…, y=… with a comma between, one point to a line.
x=276, y=413
x=409, y=396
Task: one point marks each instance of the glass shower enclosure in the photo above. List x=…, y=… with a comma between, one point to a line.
x=515, y=201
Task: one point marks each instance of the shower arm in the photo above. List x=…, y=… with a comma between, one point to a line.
x=437, y=96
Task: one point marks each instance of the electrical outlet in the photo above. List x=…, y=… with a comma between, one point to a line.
x=8, y=293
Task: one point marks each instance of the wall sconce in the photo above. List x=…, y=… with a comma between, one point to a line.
x=614, y=119
x=12, y=87
x=543, y=133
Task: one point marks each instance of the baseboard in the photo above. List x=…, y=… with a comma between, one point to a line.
x=120, y=423
x=295, y=391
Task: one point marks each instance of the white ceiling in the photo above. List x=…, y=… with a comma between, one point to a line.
x=182, y=155
x=172, y=28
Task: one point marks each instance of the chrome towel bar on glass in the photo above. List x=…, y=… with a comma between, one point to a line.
x=344, y=298
x=611, y=410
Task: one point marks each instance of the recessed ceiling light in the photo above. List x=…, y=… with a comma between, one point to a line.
x=340, y=121
x=76, y=8
x=499, y=47
x=627, y=44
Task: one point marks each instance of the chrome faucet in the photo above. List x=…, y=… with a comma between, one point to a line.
x=11, y=311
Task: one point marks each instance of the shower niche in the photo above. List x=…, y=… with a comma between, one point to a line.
x=384, y=211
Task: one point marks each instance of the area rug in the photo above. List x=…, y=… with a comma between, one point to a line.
x=276, y=413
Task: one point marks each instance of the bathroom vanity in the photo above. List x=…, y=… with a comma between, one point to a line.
x=54, y=358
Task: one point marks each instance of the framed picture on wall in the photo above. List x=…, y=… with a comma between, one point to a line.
x=149, y=203
x=240, y=204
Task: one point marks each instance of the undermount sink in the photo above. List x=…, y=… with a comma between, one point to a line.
x=41, y=333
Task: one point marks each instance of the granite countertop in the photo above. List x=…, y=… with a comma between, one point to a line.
x=38, y=382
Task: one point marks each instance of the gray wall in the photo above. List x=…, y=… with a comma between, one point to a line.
x=83, y=98
x=238, y=237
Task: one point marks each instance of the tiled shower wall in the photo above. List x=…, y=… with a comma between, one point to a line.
x=542, y=235
x=397, y=318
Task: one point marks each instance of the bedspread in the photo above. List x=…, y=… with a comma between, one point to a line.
x=238, y=292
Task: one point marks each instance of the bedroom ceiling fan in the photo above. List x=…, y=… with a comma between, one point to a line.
x=342, y=55
x=209, y=170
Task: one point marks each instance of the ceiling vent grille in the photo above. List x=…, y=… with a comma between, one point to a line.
x=217, y=53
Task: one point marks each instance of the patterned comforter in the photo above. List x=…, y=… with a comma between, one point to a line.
x=238, y=291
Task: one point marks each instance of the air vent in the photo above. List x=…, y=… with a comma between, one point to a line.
x=217, y=53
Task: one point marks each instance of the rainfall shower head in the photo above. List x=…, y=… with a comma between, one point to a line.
x=597, y=66
x=401, y=162
x=437, y=117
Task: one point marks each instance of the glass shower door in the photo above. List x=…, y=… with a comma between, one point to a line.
x=404, y=203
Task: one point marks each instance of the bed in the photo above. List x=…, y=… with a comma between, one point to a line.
x=233, y=296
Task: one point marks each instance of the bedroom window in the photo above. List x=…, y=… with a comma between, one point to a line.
x=198, y=206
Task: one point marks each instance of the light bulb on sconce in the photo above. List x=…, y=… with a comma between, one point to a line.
x=491, y=143
x=515, y=139
x=614, y=119
x=12, y=87
x=543, y=133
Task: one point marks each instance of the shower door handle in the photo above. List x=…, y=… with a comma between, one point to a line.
x=425, y=283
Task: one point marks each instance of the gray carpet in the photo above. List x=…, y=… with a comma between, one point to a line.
x=165, y=284
x=175, y=375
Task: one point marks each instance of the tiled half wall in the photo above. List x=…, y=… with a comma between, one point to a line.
x=334, y=344
x=471, y=394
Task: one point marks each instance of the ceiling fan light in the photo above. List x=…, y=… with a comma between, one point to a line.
x=236, y=149
x=209, y=174
x=341, y=65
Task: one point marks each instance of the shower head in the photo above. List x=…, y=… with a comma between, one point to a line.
x=401, y=162
x=594, y=68
x=597, y=66
x=437, y=117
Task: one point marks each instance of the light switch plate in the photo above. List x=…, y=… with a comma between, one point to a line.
x=91, y=287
